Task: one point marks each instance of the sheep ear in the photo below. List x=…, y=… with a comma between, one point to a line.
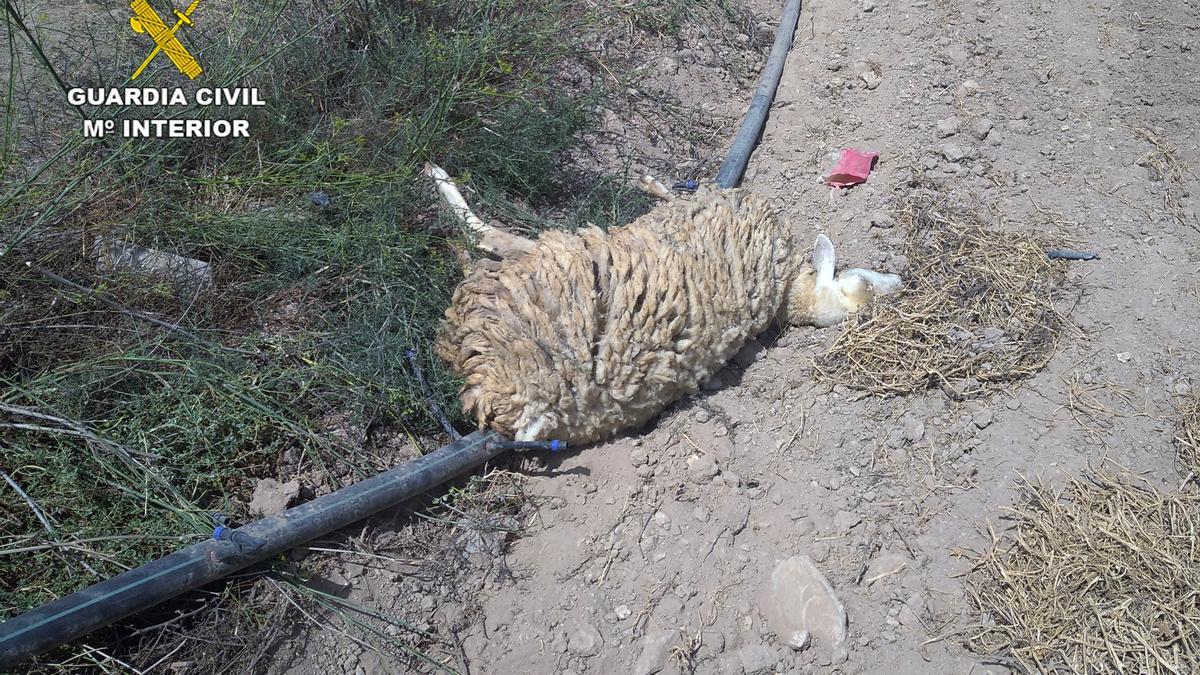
x=824, y=260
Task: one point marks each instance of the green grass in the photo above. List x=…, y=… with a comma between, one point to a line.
x=126, y=436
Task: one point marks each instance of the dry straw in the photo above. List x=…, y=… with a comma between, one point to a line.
x=978, y=310
x=1187, y=435
x=1104, y=578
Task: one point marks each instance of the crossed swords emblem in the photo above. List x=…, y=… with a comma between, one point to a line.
x=147, y=21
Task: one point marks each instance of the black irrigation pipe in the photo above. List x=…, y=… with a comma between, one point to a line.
x=748, y=134
x=230, y=550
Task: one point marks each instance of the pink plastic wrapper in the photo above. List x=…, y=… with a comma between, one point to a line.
x=851, y=168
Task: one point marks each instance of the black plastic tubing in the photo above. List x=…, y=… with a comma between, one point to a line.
x=72, y=616
x=748, y=134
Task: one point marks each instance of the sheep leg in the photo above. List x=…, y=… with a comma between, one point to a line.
x=492, y=240
x=650, y=185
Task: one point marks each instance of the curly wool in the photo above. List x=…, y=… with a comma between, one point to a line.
x=594, y=332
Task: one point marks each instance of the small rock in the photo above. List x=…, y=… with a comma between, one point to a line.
x=982, y=418
x=639, y=456
x=1019, y=126
x=585, y=641
x=799, y=604
x=981, y=128
x=953, y=152
x=757, y=659
x=913, y=430
x=868, y=6
x=272, y=497
x=656, y=647
x=845, y=521
x=871, y=79
x=702, y=468
x=881, y=220
x=623, y=612
x=1124, y=357
x=948, y=127
x=820, y=552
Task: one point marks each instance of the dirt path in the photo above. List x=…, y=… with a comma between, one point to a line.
x=637, y=564
x=1037, y=115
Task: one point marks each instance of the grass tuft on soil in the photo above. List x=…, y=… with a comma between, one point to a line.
x=1103, y=577
x=977, y=310
x=118, y=435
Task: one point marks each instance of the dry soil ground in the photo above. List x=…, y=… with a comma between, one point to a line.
x=635, y=564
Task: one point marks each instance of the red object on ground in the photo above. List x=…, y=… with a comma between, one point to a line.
x=851, y=168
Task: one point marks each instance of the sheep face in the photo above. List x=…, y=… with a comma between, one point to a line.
x=818, y=296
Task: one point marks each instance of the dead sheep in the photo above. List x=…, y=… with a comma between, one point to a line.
x=580, y=335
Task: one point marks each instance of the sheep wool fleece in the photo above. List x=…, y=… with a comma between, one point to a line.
x=593, y=332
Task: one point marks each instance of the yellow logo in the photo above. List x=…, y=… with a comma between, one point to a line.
x=147, y=21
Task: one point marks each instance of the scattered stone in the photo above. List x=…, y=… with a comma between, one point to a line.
x=1124, y=357
x=585, y=641
x=845, y=521
x=868, y=6
x=623, y=612
x=799, y=604
x=981, y=128
x=882, y=220
x=272, y=497
x=702, y=468
x=1019, y=126
x=871, y=78
x=948, y=127
x=656, y=647
x=913, y=430
x=639, y=456
x=991, y=337
x=757, y=659
x=982, y=418
x=953, y=152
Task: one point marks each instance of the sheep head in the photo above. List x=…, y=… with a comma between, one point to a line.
x=819, y=296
